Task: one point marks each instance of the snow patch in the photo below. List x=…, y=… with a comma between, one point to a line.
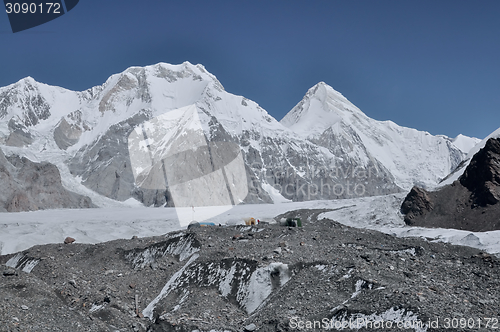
x=181, y=245
x=359, y=287
x=225, y=285
x=464, y=143
x=169, y=286
x=261, y=285
x=274, y=194
x=23, y=262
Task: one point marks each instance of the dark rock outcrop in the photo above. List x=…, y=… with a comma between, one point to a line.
x=417, y=203
x=482, y=177
x=471, y=203
x=29, y=186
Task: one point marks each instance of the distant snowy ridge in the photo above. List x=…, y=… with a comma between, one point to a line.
x=465, y=143
x=413, y=157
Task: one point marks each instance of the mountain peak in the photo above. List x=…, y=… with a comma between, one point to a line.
x=324, y=123
x=24, y=82
x=325, y=92
x=321, y=108
x=325, y=117
x=186, y=66
x=28, y=79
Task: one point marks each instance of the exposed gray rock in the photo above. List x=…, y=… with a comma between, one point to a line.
x=29, y=186
x=306, y=174
x=138, y=88
x=417, y=203
x=471, y=203
x=256, y=194
x=19, y=134
x=105, y=166
x=66, y=135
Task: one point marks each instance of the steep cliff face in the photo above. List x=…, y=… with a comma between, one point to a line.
x=29, y=186
x=470, y=203
x=104, y=166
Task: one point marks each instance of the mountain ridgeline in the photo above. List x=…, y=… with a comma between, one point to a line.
x=324, y=148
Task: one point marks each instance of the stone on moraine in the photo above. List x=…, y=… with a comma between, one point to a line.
x=69, y=240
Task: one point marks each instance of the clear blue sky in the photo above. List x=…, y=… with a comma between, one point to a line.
x=430, y=65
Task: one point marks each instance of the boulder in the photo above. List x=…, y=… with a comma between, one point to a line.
x=69, y=240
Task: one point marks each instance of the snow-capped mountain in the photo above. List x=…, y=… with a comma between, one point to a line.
x=327, y=118
x=325, y=148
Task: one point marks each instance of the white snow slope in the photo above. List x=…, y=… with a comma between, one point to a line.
x=412, y=156
x=465, y=143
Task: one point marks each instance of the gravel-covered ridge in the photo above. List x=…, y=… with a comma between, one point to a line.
x=262, y=278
